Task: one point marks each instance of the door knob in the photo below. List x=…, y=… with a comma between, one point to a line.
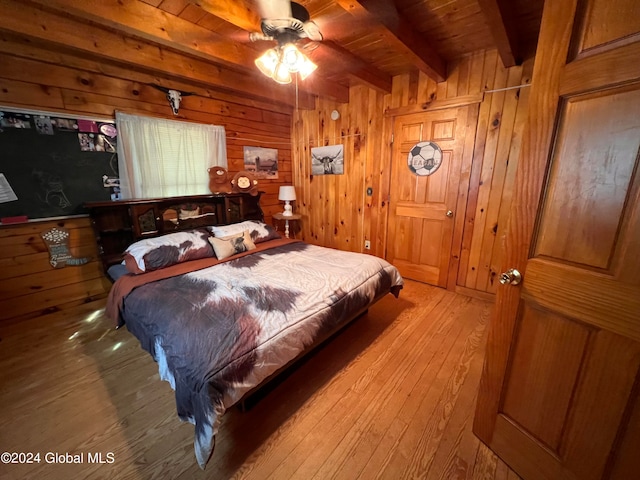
x=510, y=277
x=449, y=213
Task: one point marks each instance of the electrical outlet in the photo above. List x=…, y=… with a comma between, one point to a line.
x=367, y=244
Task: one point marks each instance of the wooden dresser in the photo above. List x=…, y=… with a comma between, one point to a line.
x=117, y=224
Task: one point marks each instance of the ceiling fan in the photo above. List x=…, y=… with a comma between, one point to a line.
x=287, y=23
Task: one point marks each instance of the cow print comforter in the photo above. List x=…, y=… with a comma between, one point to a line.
x=218, y=332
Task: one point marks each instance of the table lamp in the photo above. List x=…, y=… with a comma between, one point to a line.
x=288, y=194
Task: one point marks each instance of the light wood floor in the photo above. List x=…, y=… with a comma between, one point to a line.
x=391, y=397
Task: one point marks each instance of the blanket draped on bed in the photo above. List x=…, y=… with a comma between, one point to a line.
x=220, y=330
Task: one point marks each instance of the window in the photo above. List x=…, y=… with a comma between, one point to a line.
x=166, y=158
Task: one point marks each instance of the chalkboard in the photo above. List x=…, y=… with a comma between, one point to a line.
x=55, y=164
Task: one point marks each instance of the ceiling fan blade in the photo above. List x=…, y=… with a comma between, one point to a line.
x=312, y=31
x=274, y=9
x=307, y=46
x=331, y=27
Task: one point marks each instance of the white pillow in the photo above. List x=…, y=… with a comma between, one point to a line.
x=166, y=250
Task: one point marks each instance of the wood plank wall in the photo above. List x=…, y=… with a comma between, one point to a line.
x=499, y=132
x=30, y=286
x=35, y=78
x=337, y=212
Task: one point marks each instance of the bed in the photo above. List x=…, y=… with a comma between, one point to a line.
x=223, y=309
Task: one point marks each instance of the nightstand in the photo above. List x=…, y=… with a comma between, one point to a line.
x=292, y=218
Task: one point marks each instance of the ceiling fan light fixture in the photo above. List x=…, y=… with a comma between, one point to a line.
x=280, y=62
x=292, y=57
x=307, y=68
x=285, y=22
x=268, y=62
x=282, y=74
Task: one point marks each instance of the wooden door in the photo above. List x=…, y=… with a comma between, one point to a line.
x=423, y=208
x=559, y=395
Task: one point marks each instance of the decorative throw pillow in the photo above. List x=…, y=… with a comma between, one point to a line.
x=259, y=231
x=231, y=245
x=160, y=252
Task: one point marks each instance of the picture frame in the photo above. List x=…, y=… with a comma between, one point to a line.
x=327, y=160
x=261, y=162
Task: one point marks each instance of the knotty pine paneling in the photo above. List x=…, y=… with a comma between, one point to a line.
x=57, y=81
x=501, y=123
x=30, y=286
x=336, y=209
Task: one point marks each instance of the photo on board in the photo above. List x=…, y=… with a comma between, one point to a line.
x=43, y=125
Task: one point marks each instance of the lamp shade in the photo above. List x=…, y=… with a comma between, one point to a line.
x=280, y=62
x=267, y=62
x=287, y=192
x=281, y=74
x=292, y=57
x=307, y=67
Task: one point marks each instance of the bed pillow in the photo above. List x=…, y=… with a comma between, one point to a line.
x=116, y=271
x=232, y=244
x=160, y=252
x=259, y=231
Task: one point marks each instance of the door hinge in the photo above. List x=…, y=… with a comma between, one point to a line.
x=392, y=139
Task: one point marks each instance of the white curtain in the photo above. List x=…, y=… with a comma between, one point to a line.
x=166, y=158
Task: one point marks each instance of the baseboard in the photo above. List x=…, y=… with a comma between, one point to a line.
x=470, y=292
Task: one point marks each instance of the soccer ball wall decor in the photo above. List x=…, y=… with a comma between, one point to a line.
x=424, y=158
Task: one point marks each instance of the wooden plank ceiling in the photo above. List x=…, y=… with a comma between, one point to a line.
x=206, y=42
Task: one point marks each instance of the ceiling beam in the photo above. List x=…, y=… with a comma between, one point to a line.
x=399, y=32
x=63, y=32
x=242, y=14
x=503, y=28
x=135, y=18
x=353, y=66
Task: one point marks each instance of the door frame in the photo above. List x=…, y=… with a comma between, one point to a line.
x=472, y=102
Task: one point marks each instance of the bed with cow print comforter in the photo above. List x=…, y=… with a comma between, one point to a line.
x=220, y=331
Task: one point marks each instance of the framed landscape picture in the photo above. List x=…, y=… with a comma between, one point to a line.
x=262, y=162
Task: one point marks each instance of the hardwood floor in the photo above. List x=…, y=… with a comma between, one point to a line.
x=390, y=397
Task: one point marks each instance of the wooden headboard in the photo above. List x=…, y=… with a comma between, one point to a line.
x=117, y=224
